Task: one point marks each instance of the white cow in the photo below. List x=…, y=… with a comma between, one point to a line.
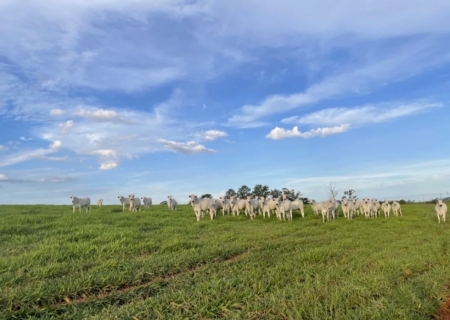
x=100, y=203
x=124, y=201
x=396, y=209
x=441, y=210
x=205, y=203
x=375, y=208
x=327, y=208
x=238, y=205
x=346, y=208
x=226, y=205
x=314, y=206
x=366, y=207
x=266, y=208
x=172, y=203
x=285, y=209
x=201, y=205
x=81, y=202
x=217, y=205
x=386, y=207
x=146, y=202
x=355, y=207
x=135, y=203
x=252, y=206
x=297, y=204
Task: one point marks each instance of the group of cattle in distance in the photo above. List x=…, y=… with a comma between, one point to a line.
x=281, y=207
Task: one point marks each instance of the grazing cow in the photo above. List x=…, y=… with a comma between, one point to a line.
x=100, y=203
x=375, y=208
x=346, y=208
x=146, y=202
x=396, y=209
x=441, y=210
x=386, y=207
x=172, y=203
x=135, y=203
x=81, y=202
x=366, y=207
x=124, y=201
x=314, y=206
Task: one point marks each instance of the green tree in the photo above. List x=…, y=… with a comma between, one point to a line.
x=261, y=191
x=275, y=193
x=243, y=192
x=291, y=194
x=206, y=195
x=230, y=193
x=350, y=194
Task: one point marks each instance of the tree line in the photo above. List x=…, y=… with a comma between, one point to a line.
x=260, y=190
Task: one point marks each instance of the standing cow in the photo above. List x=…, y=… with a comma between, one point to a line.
x=81, y=202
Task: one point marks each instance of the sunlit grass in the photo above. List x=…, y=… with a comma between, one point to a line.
x=160, y=264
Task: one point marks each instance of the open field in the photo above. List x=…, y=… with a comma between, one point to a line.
x=157, y=264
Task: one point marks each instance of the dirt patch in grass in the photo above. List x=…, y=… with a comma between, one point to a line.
x=444, y=311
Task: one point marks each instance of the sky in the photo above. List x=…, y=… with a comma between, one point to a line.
x=103, y=98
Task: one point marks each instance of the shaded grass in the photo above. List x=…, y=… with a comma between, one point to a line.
x=164, y=265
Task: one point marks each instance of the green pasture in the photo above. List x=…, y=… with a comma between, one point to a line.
x=158, y=264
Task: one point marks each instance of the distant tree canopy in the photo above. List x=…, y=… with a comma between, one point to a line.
x=260, y=191
x=243, y=192
x=291, y=194
x=350, y=194
x=275, y=193
x=230, y=193
x=206, y=195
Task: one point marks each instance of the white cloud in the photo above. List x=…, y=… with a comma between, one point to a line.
x=363, y=115
x=212, y=135
x=108, y=165
x=57, y=112
x=101, y=115
x=65, y=127
x=280, y=133
x=3, y=148
x=105, y=153
x=56, y=145
x=3, y=177
x=108, y=158
x=25, y=139
x=190, y=147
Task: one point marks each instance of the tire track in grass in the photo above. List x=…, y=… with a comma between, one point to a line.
x=124, y=294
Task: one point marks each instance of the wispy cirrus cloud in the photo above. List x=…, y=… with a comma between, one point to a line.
x=358, y=116
x=27, y=155
x=190, y=147
x=3, y=148
x=280, y=133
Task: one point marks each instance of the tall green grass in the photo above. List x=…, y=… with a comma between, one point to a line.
x=158, y=264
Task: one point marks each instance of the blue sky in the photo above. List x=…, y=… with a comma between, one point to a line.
x=100, y=98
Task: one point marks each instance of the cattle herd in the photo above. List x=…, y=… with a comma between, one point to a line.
x=281, y=207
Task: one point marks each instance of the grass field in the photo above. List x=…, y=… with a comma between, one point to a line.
x=158, y=264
